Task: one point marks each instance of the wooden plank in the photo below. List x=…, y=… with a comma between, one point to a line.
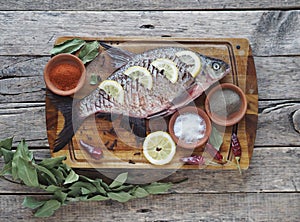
x=271, y=170
x=21, y=78
x=95, y=5
x=171, y=207
x=269, y=32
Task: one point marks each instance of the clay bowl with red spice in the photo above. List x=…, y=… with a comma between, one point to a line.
x=196, y=117
x=64, y=74
x=226, y=104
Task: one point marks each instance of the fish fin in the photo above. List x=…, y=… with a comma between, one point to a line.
x=71, y=119
x=120, y=56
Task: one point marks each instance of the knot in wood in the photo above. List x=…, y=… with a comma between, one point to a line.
x=296, y=120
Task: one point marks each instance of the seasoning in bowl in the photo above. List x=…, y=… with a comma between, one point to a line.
x=226, y=104
x=64, y=74
x=190, y=127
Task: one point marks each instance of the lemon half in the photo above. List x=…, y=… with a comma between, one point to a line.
x=159, y=148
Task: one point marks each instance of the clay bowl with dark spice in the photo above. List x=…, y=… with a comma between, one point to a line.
x=64, y=74
x=226, y=104
x=190, y=127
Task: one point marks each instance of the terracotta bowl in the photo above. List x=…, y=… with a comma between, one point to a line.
x=233, y=117
x=180, y=142
x=64, y=59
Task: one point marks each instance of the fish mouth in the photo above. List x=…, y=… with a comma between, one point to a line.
x=227, y=71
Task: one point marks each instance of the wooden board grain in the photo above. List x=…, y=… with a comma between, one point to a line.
x=226, y=207
x=127, y=153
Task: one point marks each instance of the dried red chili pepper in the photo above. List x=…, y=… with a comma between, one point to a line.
x=193, y=160
x=214, y=152
x=236, y=149
x=95, y=152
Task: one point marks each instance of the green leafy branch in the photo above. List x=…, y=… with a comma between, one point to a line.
x=55, y=177
x=88, y=50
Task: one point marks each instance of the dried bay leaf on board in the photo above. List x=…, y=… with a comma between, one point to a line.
x=68, y=46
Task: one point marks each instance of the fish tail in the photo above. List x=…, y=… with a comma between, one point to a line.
x=72, y=121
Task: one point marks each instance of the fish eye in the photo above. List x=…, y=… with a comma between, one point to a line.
x=216, y=66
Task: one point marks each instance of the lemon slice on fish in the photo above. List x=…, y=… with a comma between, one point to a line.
x=169, y=68
x=192, y=60
x=159, y=148
x=113, y=89
x=142, y=74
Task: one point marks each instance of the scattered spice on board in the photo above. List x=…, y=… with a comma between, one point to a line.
x=225, y=102
x=65, y=76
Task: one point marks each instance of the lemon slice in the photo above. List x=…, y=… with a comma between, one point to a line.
x=159, y=148
x=113, y=89
x=169, y=67
x=192, y=60
x=142, y=74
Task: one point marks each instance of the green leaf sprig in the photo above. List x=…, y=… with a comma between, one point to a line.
x=65, y=185
x=88, y=50
x=215, y=138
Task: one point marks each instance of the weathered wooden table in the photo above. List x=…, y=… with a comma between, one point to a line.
x=267, y=191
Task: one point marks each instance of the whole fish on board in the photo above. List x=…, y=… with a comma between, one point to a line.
x=163, y=99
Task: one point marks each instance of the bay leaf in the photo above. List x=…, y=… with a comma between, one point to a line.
x=48, y=208
x=47, y=172
x=215, y=138
x=98, y=198
x=27, y=172
x=93, y=79
x=52, y=188
x=6, y=143
x=122, y=188
x=32, y=203
x=71, y=178
x=60, y=196
x=52, y=162
x=86, y=185
x=140, y=192
x=7, y=169
x=89, y=51
x=157, y=188
x=119, y=180
x=58, y=175
x=7, y=155
x=120, y=196
x=68, y=46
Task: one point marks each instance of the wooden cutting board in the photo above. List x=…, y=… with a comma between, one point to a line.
x=120, y=147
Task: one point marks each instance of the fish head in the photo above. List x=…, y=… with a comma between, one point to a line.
x=213, y=69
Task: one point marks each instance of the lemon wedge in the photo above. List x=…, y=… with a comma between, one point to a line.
x=113, y=89
x=141, y=74
x=159, y=148
x=192, y=60
x=169, y=68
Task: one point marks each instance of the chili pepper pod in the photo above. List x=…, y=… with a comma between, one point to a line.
x=236, y=150
x=214, y=153
x=95, y=152
x=193, y=160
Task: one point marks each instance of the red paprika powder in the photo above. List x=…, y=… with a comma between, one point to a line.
x=65, y=76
